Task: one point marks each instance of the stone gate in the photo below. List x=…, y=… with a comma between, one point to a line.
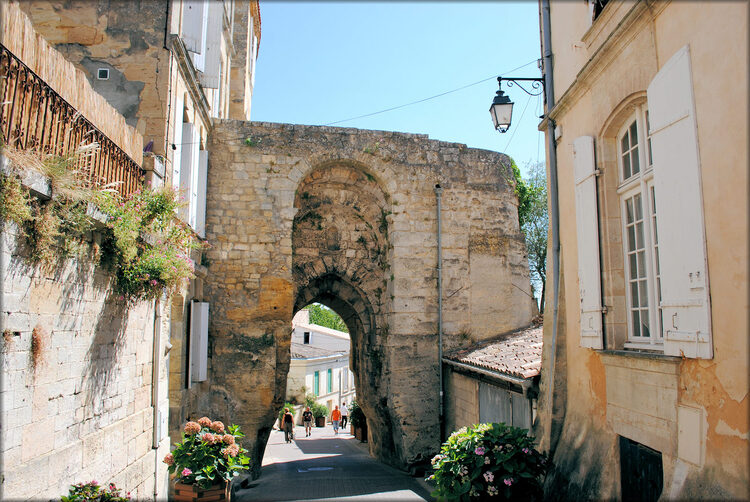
x=348, y=218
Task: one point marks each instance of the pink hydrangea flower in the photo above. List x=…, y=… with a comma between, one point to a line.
x=217, y=427
x=192, y=428
x=169, y=459
x=479, y=450
x=186, y=472
x=508, y=481
x=488, y=476
x=228, y=438
x=491, y=491
x=208, y=438
x=526, y=451
x=204, y=421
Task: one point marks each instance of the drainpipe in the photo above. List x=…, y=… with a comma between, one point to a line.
x=155, y=387
x=554, y=209
x=438, y=194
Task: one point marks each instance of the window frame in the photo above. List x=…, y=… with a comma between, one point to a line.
x=316, y=383
x=329, y=380
x=640, y=183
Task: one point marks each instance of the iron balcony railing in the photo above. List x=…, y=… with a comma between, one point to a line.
x=34, y=117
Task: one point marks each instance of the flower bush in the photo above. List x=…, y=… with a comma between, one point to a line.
x=143, y=242
x=93, y=492
x=356, y=415
x=489, y=460
x=208, y=454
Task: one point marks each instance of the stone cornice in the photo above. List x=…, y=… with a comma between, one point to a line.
x=639, y=14
x=189, y=74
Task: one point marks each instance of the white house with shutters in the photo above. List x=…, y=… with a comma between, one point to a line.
x=644, y=390
x=319, y=364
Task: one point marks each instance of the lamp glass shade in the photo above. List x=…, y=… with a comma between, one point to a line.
x=501, y=112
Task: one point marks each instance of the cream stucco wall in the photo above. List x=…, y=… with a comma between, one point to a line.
x=599, y=69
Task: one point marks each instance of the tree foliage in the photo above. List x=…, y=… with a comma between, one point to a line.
x=323, y=316
x=533, y=220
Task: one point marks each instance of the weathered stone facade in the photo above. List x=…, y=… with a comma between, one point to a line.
x=344, y=217
x=77, y=389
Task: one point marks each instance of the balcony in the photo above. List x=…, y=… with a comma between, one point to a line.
x=34, y=117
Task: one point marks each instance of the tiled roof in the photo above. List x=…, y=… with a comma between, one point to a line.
x=518, y=353
x=305, y=351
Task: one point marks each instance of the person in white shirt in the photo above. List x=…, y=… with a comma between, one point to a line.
x=344, y=415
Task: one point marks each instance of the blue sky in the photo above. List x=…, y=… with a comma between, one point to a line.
x=321, y=63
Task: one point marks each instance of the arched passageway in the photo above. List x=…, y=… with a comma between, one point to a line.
x=348, y=219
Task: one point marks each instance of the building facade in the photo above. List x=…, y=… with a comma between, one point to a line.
x=319, y=364
x=645, y=382
x=170, y=67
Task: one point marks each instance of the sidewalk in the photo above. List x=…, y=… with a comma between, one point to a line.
x=326, y=466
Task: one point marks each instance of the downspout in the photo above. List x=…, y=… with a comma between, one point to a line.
x=438, y=195
x=155, y=388
x=554, y=208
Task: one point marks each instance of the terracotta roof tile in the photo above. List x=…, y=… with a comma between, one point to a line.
x=518, y=353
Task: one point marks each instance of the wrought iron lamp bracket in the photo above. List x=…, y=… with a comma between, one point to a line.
x=537, y=84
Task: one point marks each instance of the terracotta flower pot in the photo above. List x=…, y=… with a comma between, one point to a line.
x=190, y=493
x=320, y=422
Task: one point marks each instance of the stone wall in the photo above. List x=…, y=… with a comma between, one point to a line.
x=76, y=392
x=347, y=218
x=461, y=400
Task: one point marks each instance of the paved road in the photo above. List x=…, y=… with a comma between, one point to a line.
x=328, y=467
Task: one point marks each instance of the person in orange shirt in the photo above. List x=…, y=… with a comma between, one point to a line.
x=336, y=418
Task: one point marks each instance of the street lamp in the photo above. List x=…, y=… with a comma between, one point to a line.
x=501, y=109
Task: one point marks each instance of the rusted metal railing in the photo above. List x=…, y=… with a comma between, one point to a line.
x=34, y=117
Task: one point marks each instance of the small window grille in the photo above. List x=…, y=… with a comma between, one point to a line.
x=102, y=74
x=306, y=337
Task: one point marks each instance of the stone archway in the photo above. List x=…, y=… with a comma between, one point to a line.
x=347, y=218
x=341, y=259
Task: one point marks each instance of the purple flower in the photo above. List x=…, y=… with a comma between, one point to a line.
x=188, y=472
x=508, y=481
x=526, y=450
x=479, y=450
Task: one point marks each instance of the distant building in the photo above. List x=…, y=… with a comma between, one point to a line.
x=320, y=363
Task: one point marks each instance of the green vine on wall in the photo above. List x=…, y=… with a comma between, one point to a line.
x=144, y=245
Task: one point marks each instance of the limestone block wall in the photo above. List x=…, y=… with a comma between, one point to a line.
x=298, y=214
x=461, y=400
x=76, y=397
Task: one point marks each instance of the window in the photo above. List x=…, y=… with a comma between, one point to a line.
x=102, y=74
x=638, y=203
x=316, y=383
x=306, y=337
x=329, y=382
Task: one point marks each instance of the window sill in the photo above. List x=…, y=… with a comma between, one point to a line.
x=640, y=353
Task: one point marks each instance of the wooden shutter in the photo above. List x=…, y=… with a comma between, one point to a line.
x=190, y=142
x=177, y=142
x=193, y=25
x=199, y=341
x=679, y=211
x=200, y=208
x=210, y=78
x=587, y=226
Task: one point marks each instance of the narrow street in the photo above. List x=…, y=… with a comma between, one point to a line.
x=328, y=467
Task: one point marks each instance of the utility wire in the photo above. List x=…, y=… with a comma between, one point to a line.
x=517, y=128
x=429, y=98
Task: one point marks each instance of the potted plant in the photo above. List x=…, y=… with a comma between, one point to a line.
x=358, y=421
x=320, y=412
x=84, y=492
x=489, y=460
x=206, y=460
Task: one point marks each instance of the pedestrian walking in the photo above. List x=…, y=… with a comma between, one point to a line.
x=336, y=418
x=288, y=425
x=344, y=415
x=307, y=420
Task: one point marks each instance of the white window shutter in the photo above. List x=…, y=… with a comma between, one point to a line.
x=190, y=143
x=199, y=341
x=210, y=78
x=200, y=222
x=679, y=209
x=587, y=226
x=177, y=142
x=194, y=25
